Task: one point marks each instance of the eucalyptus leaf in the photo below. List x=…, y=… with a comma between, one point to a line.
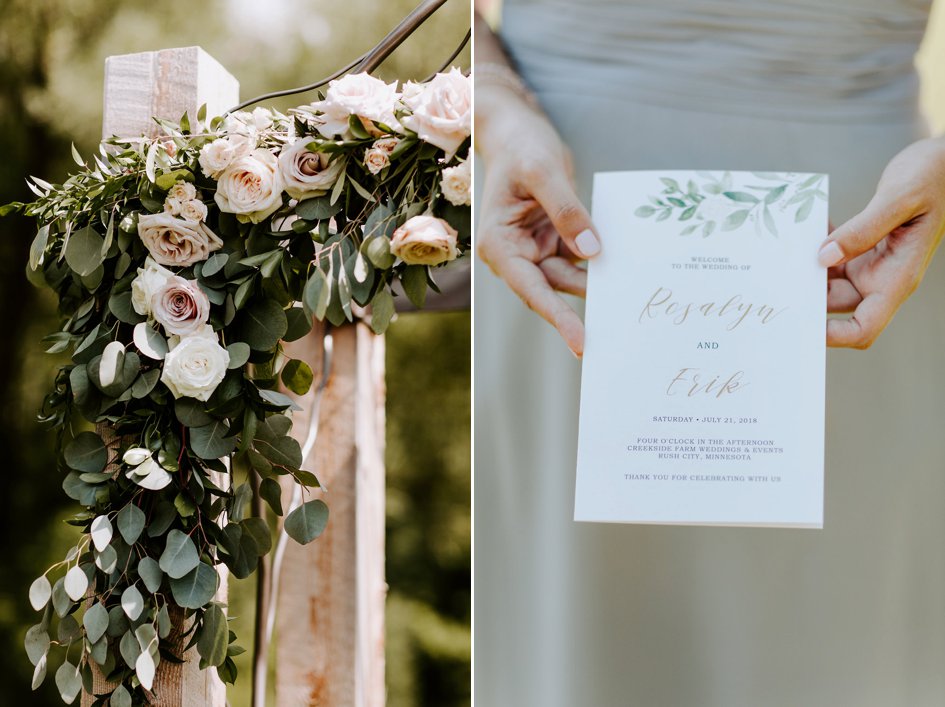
x=101, y=532
x=212, y=640
x=76, y=583
x=307, y=522
x=86, y=452
x=263, y=324
x=144, y=669
x=212, y=441
x=107, y=560
x=239, y=355
x=40, y=593
x=316, y=295
x=120, y=697
x=180, y=555
x=150, y=572
x=414, y=280
x=39, y=673
x=95, y=621
x=191, y=412
x=68, y=630
x=297, y=376
x=132, y=603
x=131, y=520
x=60, y=599
x=382, y=311
x=196, y=588
x=69, y=682
x=84, y=250
x=37, y=643
x=271, y=492
x=129, y=648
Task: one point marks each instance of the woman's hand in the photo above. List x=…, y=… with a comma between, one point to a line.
x=532, y=227
x=878, y=257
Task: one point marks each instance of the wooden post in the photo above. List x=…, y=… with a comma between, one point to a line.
x=330, y=621
x=138, y=87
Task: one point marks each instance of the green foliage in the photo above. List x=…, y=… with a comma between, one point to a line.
x=739, y=206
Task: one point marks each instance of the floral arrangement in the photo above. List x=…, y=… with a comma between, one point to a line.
x=714, y=204
x=180, y=263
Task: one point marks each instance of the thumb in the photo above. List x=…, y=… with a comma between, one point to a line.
x=567, y=214
x=881, y=217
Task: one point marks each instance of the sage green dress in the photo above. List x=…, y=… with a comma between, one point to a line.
x=591, y=615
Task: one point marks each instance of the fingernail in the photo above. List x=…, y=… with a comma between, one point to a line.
x=830, y=254
x=587, y=243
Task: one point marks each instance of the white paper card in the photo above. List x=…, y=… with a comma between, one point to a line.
x=702, y=391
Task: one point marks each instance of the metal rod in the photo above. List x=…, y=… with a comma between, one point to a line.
x=372, y=59
x=396, y=36
x=455, y=54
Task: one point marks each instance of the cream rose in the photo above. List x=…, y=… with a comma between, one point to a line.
x=182, y=191
x=193, y=210
x=251, y=187
x=306, y=173
x=174, y=241
x=216, y=156
x=195, y=366
x=441, y=114
x=424, y=240
x=456, y=182
x=180, y=306
x=172, y=206
x=356, y=94
x=150, y=279
x=377, y=157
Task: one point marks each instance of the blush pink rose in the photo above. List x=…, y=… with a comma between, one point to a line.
x=180, y=306
x=441, y=113
x=176, y=242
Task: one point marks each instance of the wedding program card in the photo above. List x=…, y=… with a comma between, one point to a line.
x=702, y=391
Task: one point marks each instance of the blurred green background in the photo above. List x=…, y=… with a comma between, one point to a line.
x=52, y=53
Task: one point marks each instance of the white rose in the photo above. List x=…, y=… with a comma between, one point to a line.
x=248, y=123
x=356, y=94
x=424, y=240
x=455, y=184
x=195, y=367
x=441, y=114
x=182, y=191
x=218, y=155
x=193, y=210
x=180, y=306
x=150, y=279
x=306, y=173
x=251, y=187
x=174, y=241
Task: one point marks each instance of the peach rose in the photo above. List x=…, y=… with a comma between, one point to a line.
x=377, y=157
x=251, y=187
x=424, y=240
x=173, y=241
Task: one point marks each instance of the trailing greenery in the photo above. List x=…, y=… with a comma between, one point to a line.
x=177, y=283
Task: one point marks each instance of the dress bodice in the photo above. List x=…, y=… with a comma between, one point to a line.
x=821, y=60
